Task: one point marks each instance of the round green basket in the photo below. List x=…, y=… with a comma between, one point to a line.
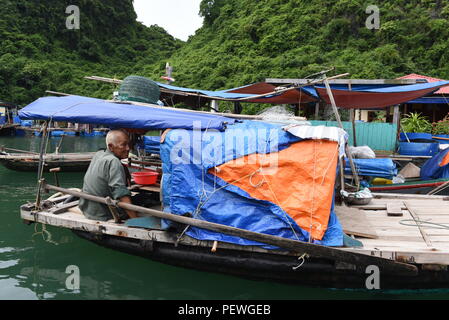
x=139, y=89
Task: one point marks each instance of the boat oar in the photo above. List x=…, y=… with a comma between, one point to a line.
x=361, y=260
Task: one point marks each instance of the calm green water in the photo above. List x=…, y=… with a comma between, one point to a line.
x=31, y=267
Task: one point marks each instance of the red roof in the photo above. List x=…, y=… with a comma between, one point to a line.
x=444, y=90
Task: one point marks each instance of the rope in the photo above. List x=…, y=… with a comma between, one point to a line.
x=419, y=223
x=302, y=259
x=46, y=235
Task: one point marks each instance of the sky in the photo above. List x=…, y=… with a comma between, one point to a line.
x=178, y=17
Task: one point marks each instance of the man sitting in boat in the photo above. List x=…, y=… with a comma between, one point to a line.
x=106, y=177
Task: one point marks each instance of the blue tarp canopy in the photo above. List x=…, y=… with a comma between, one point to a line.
x=79, y=109
x=431, y=100
x=359, y=97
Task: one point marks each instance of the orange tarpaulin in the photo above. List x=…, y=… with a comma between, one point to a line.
x=299, y=179
x=445, y=160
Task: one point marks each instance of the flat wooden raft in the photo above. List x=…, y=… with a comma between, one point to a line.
x=404, y=238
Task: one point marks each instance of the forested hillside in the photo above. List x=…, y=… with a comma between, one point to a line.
x=38, y=52
x=241, y=41
x=244, y=41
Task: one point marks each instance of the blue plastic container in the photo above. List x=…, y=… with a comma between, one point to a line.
x=27, y=123
x=60, y=133
x=418, y=148
x=422, y=137
x=17, y=120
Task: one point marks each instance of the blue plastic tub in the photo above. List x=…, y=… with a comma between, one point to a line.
x=418, y=137
x=418, y=148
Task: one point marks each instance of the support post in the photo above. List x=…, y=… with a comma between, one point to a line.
x=337, y=116
x=214, y=106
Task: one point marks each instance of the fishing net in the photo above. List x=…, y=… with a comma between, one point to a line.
x=140, y=89
x=276, y=113
x=280, y=114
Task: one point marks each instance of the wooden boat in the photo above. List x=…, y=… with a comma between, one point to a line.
x=413, y=187
x=68, y=162
x=391, y=248
x=404, y=251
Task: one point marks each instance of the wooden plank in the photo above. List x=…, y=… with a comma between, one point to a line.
x=394, y=209
x=416, y=218
x=354, y=222
x=64, y=207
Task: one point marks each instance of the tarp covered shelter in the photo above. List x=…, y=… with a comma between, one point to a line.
x=355, y=96
x=254, y=176
x=249, y=174
x=377, y=97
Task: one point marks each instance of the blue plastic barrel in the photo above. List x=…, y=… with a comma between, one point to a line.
x=414, y=136
x=418, y=148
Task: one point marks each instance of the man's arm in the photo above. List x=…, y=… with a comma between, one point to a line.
x=117, y=184
x=127, y=199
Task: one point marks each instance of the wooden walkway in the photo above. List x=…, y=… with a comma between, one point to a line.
x=420, y=235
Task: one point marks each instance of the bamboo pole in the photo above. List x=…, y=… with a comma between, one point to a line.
x=361, y=260
x=337, y=116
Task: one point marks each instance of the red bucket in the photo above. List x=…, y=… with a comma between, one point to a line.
x=145, y=177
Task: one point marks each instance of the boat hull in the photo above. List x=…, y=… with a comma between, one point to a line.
x=418, y=187
x=264, y=266
x=32, y=166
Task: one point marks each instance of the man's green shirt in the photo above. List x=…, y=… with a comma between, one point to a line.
x=105, y=178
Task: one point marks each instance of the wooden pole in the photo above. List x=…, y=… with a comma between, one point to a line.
x=352, y=117
x=337, y=116
x=357, y=259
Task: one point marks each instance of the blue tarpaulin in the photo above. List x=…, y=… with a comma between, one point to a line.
x=79, y=109
x=432, y=170
x=379, y=167
x=151, y=144
x=188, y=187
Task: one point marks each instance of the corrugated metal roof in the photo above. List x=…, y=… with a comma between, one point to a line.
x=444, y=90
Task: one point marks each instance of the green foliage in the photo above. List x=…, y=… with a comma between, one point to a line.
x=415, y=122
x=39, y=53
x=442, y=126
x=241, y=42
